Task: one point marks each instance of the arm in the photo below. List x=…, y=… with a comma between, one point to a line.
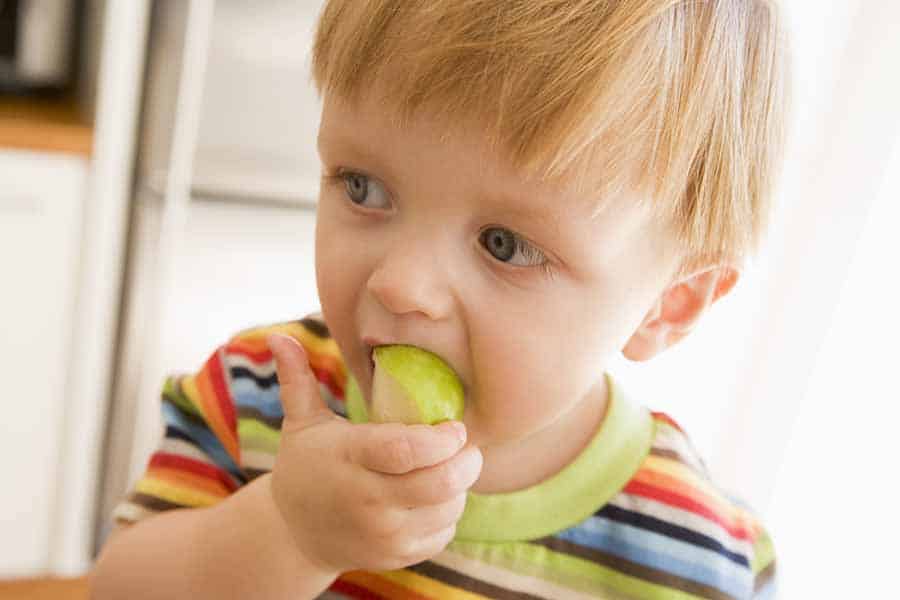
x=238, y=548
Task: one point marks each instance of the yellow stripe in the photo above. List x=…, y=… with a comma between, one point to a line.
x=177, y=495
x=189, y=387
x=679, y=471
x=429, y=587
x=298, y=332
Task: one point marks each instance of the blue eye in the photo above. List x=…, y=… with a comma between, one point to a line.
x=505, y=245
x=360, y=189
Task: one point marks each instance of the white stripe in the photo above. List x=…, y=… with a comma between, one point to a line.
x=263, y=370
x=506, y=579
x=257, y=459
x=669, y=439
x=131, y=512
x=682, y=518
x=183, y=448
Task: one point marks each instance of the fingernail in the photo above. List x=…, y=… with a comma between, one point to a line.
x=279, y=343
x=275, y=342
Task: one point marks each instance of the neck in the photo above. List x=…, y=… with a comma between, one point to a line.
x=526, y=462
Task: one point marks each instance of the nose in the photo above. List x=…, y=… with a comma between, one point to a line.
x=410, y=279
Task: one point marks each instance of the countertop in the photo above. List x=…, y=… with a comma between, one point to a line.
x=44, y=589
x=49, y=125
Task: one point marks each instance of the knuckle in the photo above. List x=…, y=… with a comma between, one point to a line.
x=457, y=508
x=447, y=537
x=380, y=525
x=411, y=551
x=398, y=453
x=449, y=481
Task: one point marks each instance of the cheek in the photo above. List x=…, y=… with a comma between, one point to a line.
x=338, y=278
x=524, y=381
x=531, y=369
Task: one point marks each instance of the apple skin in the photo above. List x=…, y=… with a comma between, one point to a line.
x=410, y=385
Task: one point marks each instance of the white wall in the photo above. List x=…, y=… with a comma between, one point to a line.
x=835, y=494
x=41, y=201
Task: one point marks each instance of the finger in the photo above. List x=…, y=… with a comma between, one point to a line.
x=394, y=448
x=299, y=388
x=423, y=548
x=439, y=483
x=427, y=520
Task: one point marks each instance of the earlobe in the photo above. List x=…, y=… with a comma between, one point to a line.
x=677, y=311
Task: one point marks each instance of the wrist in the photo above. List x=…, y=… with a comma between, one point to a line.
x=278, y=524
x=250, y=520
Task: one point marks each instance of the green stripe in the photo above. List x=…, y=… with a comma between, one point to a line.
x=256, y=435
x=567, y=571
x=763, y=552
x=173, y=394
x=574, y=493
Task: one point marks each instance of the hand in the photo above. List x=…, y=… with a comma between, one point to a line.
x=364, y=496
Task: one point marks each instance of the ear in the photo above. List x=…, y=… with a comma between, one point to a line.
x=678, y=310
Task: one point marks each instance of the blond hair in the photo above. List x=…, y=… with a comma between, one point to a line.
x=682, y=101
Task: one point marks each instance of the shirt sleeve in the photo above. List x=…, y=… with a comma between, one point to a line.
x=763, y=566
x=222, y=423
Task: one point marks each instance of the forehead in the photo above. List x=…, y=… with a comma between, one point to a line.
x=371, y=132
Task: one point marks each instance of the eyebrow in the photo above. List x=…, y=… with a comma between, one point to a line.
x=496, y=200
x=346, y=144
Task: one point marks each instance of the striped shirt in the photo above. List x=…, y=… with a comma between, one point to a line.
x=635, y=515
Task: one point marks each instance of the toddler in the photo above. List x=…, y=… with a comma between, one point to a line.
x=525, y=188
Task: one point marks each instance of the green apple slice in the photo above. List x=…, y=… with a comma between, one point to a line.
x=410, y=385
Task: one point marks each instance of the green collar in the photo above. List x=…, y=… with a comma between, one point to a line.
x=574, y=493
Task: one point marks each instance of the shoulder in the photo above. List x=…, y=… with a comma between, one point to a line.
x=671, y=528
x=671, y=504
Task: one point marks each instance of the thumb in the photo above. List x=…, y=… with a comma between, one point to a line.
x=299, y=388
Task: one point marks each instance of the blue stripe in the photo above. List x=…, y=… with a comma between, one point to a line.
x=661, y=552
x=247, y=394
x=245, y=373
x=201, y=437
x=651, y=523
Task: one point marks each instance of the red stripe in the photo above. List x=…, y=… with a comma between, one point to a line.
x=223, y=396
x=660, y=416
x=259, y=357
x=736, y=530
x=327, y=377
x=184, y=463
x=354, y=591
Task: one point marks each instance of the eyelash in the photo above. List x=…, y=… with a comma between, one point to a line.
x=339, y=178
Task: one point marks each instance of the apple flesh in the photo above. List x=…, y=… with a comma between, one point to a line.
x=410, y=385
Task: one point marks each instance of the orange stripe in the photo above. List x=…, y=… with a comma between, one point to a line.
x=213, y=415
x=256, y=338
x=189, y=480
x=677, y=469
x=380, y=585
x=677, y=486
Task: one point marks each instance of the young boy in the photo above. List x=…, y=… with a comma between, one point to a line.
x=525, y=188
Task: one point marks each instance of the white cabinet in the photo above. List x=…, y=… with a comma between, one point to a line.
x=41, y=198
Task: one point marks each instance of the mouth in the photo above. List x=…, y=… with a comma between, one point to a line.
x=370, y=344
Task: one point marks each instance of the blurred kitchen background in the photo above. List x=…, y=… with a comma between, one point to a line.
x=158, y=184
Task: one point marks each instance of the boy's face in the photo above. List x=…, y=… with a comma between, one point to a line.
x=436, y=243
